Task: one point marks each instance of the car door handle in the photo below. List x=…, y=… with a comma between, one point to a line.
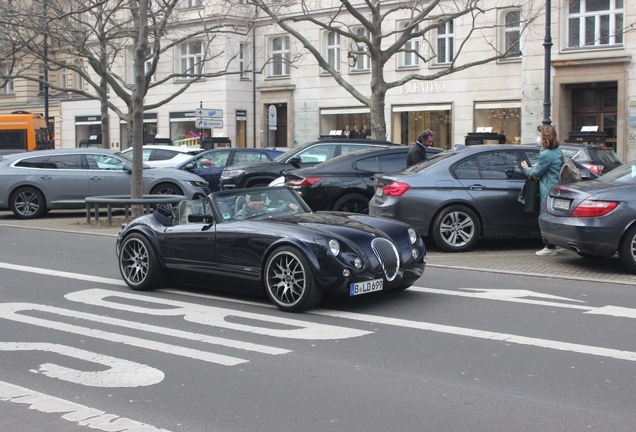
x=96, y=178
x=476, y=187
x=45, y=177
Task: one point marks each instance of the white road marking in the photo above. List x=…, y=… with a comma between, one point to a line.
x=481, y=334
x=120, y=373
x=10, y=311
x=71, y=411
x=63, y=274
x=284, y=327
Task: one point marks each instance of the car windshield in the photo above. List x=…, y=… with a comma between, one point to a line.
x=128, y=157
x=606, y=155
x=258, y=203
x=431, y=160
x=623, y=174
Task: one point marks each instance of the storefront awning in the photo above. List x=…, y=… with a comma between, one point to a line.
x=332, y=111
x=408, y=108
x=497, y=105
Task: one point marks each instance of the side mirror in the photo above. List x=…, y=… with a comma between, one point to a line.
x=200, y=218
x=295, y=161
x=188, y=166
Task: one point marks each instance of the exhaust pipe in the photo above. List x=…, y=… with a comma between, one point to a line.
x=574, y=248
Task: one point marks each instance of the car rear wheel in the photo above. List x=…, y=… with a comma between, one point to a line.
x=166, y=189
x=28, y=203
x=138, y=264
x=456, y=229
x=627, y=250
x=289, y=281
x=354, y=203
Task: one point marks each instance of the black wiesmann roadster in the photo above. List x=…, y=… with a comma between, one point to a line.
x=268, y=239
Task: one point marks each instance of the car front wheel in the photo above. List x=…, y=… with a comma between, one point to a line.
x=627, y=250
x=138, y=263
x=166, y=189
x=289, y=281
x=28, y=203
x=456, y=229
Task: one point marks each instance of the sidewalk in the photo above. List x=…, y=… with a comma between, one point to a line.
x=499, y=256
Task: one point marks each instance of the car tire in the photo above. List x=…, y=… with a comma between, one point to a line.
x=138, y=263
x=289, y=281
x=627, y=250
x=27, y=203
x=166, y=189
x=456, y=229
x=353, y=203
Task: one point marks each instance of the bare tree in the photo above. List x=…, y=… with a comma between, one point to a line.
x=369, y=25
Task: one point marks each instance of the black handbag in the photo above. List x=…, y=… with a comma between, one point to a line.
x=529, y=195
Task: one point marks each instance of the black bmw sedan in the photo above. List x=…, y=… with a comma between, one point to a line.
x=595, y=218
x=461, y=195
x=345, y=183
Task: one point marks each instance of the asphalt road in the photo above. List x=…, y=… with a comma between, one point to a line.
x=460, y=351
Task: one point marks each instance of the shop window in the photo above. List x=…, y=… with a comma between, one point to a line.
x=279, y=55
x=594, y=23
x=502, y=118
x=191, y=59
x=410, y=121
x=512, y=33
x=409, y=57
x=361, y=61
x=444, y=39
x=332, y=49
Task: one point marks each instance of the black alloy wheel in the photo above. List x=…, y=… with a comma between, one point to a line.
x=353, y=203
x=289, y=281
x=28, y=203
x=138, y=263
x=456, y=229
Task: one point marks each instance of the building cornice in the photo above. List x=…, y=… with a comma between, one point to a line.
x=591, y=62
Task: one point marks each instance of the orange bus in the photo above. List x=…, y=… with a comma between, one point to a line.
x=23, y=132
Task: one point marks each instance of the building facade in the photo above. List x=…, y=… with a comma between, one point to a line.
x=291, y=100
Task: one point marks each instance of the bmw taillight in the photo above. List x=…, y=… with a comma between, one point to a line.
x=596, y=169
x=302, y=181
x=590, y=208
x=395, y=189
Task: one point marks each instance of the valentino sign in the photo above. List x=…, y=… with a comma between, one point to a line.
x=423, y=87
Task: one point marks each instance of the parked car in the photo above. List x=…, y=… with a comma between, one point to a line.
x=345, y=183
x=303, y=156
x=461, y=195
x=285, y=251
x=595, y=218
x=597, y=158
x=210, y=164
x=33, y=183
x=165, y=156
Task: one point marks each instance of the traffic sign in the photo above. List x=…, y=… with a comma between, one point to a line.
x=208, y=124
x=209, y=113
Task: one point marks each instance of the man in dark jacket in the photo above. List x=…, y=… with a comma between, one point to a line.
x=417, y=153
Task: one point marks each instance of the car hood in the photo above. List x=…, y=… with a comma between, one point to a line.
x=171, y=173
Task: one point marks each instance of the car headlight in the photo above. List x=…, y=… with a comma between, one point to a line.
x=412, y=235
x=195, y=183
x=334, y=247
x=232, y=173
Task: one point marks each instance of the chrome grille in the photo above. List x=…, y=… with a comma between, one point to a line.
x=388, y=256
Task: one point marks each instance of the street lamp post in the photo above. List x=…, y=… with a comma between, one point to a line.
x=547, y=44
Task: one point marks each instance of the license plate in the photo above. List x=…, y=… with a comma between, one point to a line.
x=561, y=204
x=365, y=287
x=378, y=191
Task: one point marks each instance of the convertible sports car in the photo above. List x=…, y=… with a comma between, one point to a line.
x=267, y=239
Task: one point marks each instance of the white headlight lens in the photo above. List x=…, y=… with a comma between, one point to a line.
x=357, y=263
x=334, y=247
x=412, y=235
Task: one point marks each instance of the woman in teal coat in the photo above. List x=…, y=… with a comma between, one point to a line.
x=547, y=171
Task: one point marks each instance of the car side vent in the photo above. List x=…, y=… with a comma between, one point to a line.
x=388, y=256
